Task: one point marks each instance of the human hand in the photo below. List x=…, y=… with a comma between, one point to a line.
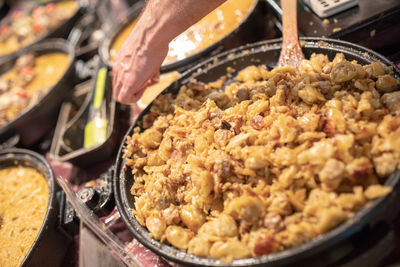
x=137, y=63
x=136, y=66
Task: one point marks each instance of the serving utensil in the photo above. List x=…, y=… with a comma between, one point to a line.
x=89, y=127
x=96, y=128
x=291, y=54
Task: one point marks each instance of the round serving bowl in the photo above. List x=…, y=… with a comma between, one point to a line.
x=50, y=244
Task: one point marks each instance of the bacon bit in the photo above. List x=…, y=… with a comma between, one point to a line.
x=257, y=122
x=22, y=94
x=26, y=71
x=276, y=145
x=50, y=8
x=225, y=169
x=264, y=245
x=37, y=28
x=3, y=30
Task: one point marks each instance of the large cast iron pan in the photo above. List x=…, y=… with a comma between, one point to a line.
x=323, y=250
x=245, y=32
x=50, y=244
x=37, y=120
x=61, y=31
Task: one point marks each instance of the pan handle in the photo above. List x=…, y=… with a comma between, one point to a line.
x=99, y=199
x=79, y=32
x=10, y=142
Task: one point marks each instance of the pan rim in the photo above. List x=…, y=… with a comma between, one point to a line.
x=301, y=252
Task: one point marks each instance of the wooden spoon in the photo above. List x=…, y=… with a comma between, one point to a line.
x=291, y=54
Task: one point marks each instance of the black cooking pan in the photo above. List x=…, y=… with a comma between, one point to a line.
x=50, y=244
x=322, y=250
x=31, y=124
x=247, y=31
x=61, y=31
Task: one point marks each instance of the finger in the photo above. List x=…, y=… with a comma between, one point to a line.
x=139, y=94
x=129, y=98
x=116, y=82
x=129, y=95
x=130, y=92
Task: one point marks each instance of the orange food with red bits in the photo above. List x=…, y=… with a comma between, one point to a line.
x=24, y=29
x=30, y=79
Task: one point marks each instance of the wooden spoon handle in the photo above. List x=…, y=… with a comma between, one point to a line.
x=291, y=53
x=289, y=21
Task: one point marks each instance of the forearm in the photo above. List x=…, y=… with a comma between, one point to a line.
x=163, y=20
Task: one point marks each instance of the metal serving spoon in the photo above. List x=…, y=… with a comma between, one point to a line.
x=291, y=54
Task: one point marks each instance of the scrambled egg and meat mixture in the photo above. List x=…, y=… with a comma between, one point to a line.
x=267, y=162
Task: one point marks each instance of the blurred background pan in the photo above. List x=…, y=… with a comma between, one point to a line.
x=35, y=121
x=50, y=245
x=248, y=30
x=60, y=31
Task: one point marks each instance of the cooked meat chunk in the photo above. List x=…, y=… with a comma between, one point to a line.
x=332, y=174
x=243, y=94
x=387, y=83
x=392, y=102
x=343, y=72
x=374, y=69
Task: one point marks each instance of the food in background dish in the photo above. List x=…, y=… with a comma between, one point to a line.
x=204, y=33
x=24, y=196
x=30, y=79
x=24, y=29
x=266, y=162
x=152, y=91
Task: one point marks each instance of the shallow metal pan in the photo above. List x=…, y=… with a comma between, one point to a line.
x=61, y=31
x=245, y=32
x=322, y=250
x=34, y=122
